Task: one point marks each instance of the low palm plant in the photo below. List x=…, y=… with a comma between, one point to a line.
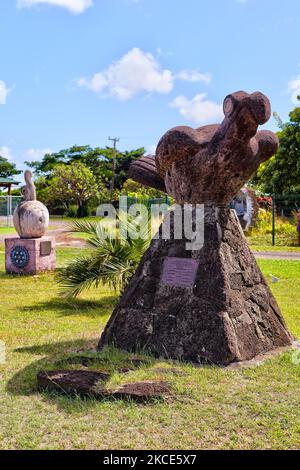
x=112, y=259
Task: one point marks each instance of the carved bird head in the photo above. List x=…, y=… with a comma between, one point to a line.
x=28, y=191
x=210, y=164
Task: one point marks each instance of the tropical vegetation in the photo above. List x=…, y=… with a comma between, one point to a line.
x=7, y=168
x=281, y=174
x=111, y=260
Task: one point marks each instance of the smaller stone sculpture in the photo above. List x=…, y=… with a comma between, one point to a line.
x=31, y=217
x=32, y=252
x=246, y=207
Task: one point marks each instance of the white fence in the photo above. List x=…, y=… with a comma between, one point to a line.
x=7, y=207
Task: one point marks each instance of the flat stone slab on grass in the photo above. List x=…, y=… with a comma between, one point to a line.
x=92, y=384
x=81, y=382
x=142, y=391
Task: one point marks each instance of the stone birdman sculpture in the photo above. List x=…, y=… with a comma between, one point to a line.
x=209, y=305
x=33, y=252
x=31, y=217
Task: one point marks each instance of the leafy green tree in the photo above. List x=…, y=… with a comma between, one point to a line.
x=123, y=163
x=98, y=160
x=73, y=183
x=47, y=164
x=42, y=191
x=281, y=174
x=132, y=188
x=51, y=160
x=7, y=169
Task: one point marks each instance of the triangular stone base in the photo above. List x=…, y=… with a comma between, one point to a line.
x=228, y=315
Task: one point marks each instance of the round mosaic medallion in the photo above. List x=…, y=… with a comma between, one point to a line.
x=19, y=256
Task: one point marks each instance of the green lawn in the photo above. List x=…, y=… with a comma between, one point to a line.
x=292, y=249
x=247, y=408
x=8, y=230
x=281, y=240
x=68, y=220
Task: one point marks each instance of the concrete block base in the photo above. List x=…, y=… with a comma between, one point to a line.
x=30, y=255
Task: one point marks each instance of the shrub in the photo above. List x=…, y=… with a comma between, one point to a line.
x=265, y=202
x=112, y=260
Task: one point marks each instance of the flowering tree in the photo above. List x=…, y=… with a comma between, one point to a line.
x=74, y=183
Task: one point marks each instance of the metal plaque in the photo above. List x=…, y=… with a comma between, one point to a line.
x=45, y=248
x=179, y=272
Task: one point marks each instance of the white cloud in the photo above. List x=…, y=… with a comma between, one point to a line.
x=36, y=153
x=198, y=109
x=75, y=6
x=193, y=76
x=294, y=89
x=3, y=92
x=6, y=153
x=136, y=71
x=151, y=149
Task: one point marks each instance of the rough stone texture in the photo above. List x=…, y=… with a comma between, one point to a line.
x=92, y=384
x=31, y=217
x=37, y=261
x=145, y=172
x=81, y=382
x=229, y=315
x=142, y=391
x=209, y=165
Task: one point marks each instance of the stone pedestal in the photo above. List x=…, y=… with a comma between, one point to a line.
x=30, y=255
x=210, y=306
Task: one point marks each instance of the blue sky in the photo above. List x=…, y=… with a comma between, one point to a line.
x=79, y=71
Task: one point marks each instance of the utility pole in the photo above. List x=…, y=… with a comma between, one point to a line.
x=112, y=182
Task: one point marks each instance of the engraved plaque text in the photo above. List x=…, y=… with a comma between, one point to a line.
x=179, y=272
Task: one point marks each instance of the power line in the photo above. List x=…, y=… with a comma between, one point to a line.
x=112, y=183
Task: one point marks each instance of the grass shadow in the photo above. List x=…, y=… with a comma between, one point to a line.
x=67, y=307
x=24, y=381
x=69, y=355
x=55, y=349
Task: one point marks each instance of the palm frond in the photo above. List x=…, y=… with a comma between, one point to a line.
x=114, y=257
x=83, y=226
x=76, y=277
